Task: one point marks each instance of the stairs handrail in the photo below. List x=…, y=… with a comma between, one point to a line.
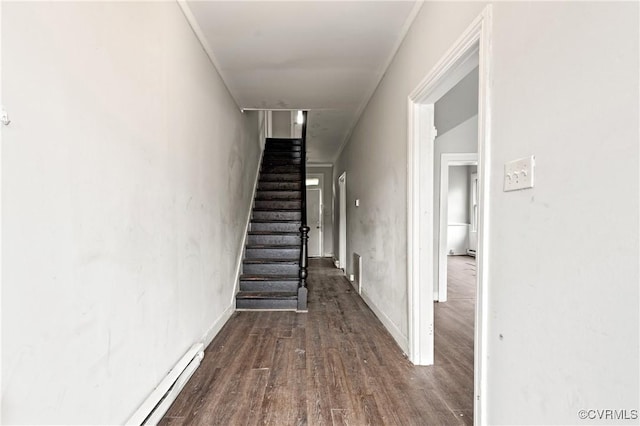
x=304, y=229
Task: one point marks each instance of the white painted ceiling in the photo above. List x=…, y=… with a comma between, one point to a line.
x=323, y=56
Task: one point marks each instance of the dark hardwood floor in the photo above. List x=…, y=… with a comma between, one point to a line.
x=334, y=365
x=454, y=335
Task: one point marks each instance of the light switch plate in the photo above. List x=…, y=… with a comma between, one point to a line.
x=358, y=202
x=518, y=174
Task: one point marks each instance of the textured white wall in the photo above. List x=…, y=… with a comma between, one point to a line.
x=565, y=300
x=281, y=124
x=563, y=261
x=458, y=198
x=126, y=177
x=375, y=159
x=457, y=105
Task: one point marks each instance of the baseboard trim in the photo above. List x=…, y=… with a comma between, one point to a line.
x=395, y=332
x=218, y=324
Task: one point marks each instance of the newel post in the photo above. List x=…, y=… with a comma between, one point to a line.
x=302, y=288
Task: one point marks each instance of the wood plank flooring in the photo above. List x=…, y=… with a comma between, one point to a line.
x=454, y=335
x=335, y=365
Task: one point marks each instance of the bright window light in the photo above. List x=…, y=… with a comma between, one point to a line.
x=299, y=118
x=313, y=182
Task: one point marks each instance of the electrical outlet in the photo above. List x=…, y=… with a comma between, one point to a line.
x=518, y=174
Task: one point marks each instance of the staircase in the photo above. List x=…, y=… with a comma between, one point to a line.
x=274, y=265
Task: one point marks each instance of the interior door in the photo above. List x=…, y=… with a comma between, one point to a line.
x=314, y=220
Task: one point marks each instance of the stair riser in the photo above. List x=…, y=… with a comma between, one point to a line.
x=277, y=215
x=280, y=177
x=276, y=227
x=284, y=186
x=280, y=169
x=266, y=304
x=270, y=269
x=271, y=260
x=294, y=141
x=263, y=253
x=279, y=154
x=278, y=195
x=286, y=144
x=279, y=204
x=281, y=162
x=274, y=239
x=294, y=151
x=251, y=285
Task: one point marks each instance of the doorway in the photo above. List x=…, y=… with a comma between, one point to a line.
x=314, y=184
x=472, y=49
x=455, y=219
x=342, y=222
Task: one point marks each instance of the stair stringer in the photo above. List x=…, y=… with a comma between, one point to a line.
x=243, y=247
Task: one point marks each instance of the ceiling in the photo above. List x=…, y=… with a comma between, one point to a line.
x=323, y=56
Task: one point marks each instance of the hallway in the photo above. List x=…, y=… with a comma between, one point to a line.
x=334, y=365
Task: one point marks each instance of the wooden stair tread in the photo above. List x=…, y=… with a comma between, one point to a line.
x=273, y=246
x=279, y=209
x=276, y=220
x=278, y=233
x=288, y=192
x=267, y=295
x=268, y=277
x=271, y=263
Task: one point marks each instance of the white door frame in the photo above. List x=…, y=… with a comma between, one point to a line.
x=474, y=42
x=342, y=222
x=294, y=124
x=473, y=202
x=447, y=160
x=320, y=178
x=1, y=131
x=268, y=123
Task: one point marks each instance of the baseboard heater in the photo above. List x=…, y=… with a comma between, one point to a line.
x=157, y=404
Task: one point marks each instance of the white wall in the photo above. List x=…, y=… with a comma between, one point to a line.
x=327, y=207
x=557, y=317
x=457, y=105
x=126, y=177
x=281, y=124
x=375, y=159
x=564, y=299
x=458, y=197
